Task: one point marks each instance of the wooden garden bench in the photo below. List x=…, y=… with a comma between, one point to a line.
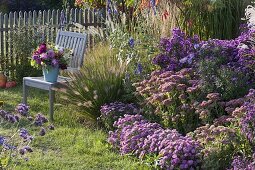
x=70, y=40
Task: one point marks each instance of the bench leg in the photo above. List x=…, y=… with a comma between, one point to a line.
x=52, y=98
x=25, y=92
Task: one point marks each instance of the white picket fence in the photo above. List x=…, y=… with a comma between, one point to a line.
x=51, y=21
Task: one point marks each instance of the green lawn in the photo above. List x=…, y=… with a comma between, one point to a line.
x=74, y=144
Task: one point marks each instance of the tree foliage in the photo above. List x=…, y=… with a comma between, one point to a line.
x=25, y=5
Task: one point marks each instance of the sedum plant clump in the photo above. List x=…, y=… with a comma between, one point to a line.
x=172, y=95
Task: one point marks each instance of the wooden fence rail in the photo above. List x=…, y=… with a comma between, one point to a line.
x=49, y=22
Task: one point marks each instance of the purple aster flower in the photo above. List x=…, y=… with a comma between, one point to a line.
x=40, y=119
x=24, y=134
x=28, y=148
x=9, y=116
x=51, y=127
x=131, y=42
x=22, y=109
x=113, y=111
x=22, y=151
x=2, y=139
x=139, y=69
x=248, y=122
x=42, y=132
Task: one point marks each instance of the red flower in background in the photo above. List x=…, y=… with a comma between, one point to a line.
x=147, y=4
x=165, y=15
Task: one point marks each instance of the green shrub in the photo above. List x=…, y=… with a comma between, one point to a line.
x=99, y=81
x=25, y=40
x=212, y=19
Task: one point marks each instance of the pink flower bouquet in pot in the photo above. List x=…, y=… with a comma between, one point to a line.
x=51, y=59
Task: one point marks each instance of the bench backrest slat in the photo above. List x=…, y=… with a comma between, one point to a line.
x=74, y=41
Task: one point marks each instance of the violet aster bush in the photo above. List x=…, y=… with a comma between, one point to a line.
x=133, y=136
x=247, y=117
x=243, y=163
x=164, y=148
x=127, y=120
x=157, y=141
x=113, y=111
x=181, y=93
x=14, y=148
x=221, y=70
x=183, y=153
x=176, y=51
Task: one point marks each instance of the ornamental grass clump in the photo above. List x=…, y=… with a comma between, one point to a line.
x=99, y=81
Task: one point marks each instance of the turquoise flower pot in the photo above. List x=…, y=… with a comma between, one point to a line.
x=51, y=74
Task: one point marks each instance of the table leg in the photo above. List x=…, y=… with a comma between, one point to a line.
x=25, y=92
x=52, y=98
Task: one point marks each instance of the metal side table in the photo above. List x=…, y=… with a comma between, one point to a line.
x=38, y=82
